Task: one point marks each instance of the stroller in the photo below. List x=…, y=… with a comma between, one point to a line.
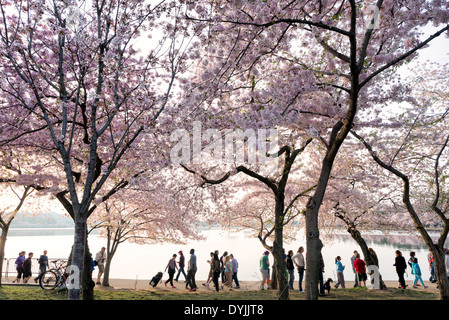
x=156, y=279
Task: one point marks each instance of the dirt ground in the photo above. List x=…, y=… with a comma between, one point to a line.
x=244, y=285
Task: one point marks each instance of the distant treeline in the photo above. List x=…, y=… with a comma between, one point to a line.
x=41, y=220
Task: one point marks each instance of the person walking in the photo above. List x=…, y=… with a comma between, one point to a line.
x=290, y=269
x=410, y=260
x=181, y=265
x=27, y=264
x=431, y=260
x=99, y=260
x=19, y=266
x=356, y=280
x=235, y=268
x=360, y=269
x=211, y=271
x=191, y=271
x=43, y=265
x=171, y=266
x=340, y=268
x=228, y=271
x=222, y=260
x=216, y=271
x=417, y=272
x=401, y=266
x=299, y=262
x=264, y=267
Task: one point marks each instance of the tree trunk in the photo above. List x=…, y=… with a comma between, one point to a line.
x=77, y=259
x=278, y=246
x=280, y=271
x=368, y=257
x=441, y=273
x=111, y=249
x=314, y=246
x=313, y=242
x=107, y=268
x=87, y=284
x=274, y=278
x=2, y=250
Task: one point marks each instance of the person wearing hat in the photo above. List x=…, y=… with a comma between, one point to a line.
x=181, y=264
x=265, y=270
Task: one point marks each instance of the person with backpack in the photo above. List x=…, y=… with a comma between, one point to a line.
x=19, y=266
x=99, y=261
x=27, y=273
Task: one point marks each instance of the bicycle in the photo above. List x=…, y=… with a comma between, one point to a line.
x=55, y=277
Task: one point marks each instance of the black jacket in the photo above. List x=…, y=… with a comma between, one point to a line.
x=400, y=264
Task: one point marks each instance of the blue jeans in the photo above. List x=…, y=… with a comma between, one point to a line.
x=181, y=269
x=356, y=281
x=236, y=280
x=433, y=276
x=42, y=269
x=291, y=278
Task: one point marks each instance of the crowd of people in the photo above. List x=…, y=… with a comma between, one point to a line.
x=225, y=268
x=24, y=265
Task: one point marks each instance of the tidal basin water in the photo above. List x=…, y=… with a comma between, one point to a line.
x=134, y=261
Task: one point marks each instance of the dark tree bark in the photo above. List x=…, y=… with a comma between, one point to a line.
x=278, y=188
x=369, y=259
x=435, y=248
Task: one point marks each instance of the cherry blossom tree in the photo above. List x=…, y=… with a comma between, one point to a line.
x=415, y=153
x=20, y=178
x=75, y=83
x=283, y=203
x=364, y=199
x=142, y=216
x=272, y=55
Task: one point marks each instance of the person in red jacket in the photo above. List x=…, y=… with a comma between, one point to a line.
x=360, y=269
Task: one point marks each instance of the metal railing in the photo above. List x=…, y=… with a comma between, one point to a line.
x=9, y=267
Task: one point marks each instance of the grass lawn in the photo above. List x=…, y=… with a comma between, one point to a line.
x=35, y=293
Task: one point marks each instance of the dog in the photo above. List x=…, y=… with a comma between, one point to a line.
x=327, y=285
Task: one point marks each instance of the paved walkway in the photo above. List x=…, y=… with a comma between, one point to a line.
x=244, y=285
x=143, y=284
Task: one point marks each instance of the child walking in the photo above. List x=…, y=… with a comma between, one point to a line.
x=340, y=267
x=417, y=272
